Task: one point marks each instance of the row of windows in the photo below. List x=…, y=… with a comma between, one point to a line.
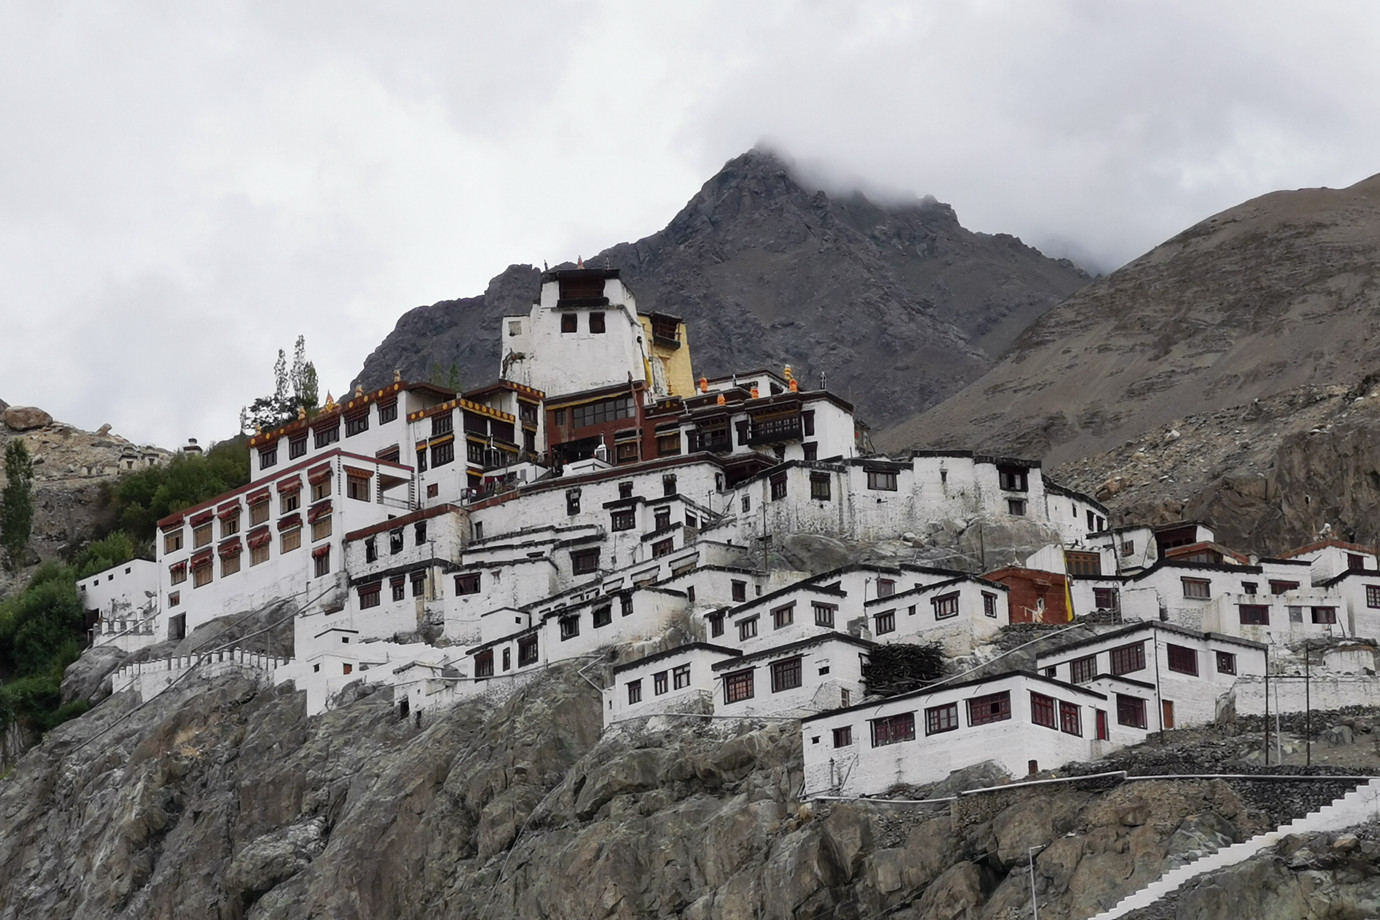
x=230, y=563
x=1045, y=711
x=371, y=595
x=528, y=653
x=785, y=675
x=395, y=541
x=679, y=680
x=1130, y=658
x=570, y=322
x=328, y=433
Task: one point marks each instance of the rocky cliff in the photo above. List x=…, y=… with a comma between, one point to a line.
x=70, y=465
x=220, y=799
x=894, y=306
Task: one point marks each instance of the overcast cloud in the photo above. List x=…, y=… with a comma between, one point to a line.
x=186, y=187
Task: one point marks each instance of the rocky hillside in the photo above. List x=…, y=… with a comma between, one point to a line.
x=220, y=799
x=1224, y=375
x=896, y=306
x=69, y=467
x=1273, y=295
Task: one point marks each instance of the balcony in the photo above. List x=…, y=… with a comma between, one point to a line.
x=775, y=430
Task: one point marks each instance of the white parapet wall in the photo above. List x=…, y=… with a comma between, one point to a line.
x=1319, y=692
x=150, y=678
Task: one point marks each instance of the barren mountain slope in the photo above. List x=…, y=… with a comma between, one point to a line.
x=896, y=305
x=1276, y=294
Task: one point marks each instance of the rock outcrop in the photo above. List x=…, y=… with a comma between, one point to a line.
x=220, y=799
x=26, y=418
x=893, y=306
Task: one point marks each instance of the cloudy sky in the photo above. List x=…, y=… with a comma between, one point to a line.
x=186, y=187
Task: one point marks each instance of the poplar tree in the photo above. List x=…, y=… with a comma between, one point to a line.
x=16, y=505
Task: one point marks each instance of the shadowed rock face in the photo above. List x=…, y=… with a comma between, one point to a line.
x=896, y=306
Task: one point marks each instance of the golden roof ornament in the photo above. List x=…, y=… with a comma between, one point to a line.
x=301, y=413
x=330, y=402
x=397, y=375
x=359, y=390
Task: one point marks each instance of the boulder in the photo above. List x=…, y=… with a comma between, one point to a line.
x=26, y=418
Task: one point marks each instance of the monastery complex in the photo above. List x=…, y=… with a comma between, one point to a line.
x=598, y=496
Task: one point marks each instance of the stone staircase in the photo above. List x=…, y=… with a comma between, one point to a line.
x=1356, y=807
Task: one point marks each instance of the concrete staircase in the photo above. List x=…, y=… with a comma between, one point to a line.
x=1356, y=807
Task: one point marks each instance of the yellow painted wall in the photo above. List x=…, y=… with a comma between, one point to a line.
x=676, y=361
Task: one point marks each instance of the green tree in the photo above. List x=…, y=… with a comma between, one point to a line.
x=139, y=499
x=449, y=380
x=16, y=505
x=293, y=388
x=41, y=632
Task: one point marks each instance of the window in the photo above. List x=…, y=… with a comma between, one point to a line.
x=603, y=616
x=824, y=614
x=570, y=627
x=321, y=528
x=609, y=410
x=662, y=519
x=747, y=629
x=1279, y=587
x=881, y=480
x=785, y=675
x=1197, y=587
x=268, y=457
x=229, y=565
x=441, y=454
x=945, y=606
x=230, y=524
x=1226, y=663
x=884, y=622
x=321, y=488
x=1248, y=587
x=1106, y=598
x=737, y=687
x=994, y=707
x=989, y=604
x=290, y=540
x=397, y=586
x=625, y=603
x=467, y=583
x=939, y=719
x=659, y=683
x=811, y=450
x=321, y=565
x=1084, y=564
x=1128, y=548
x=1015, y=506
x=1183, y=659
x=739, y=589
x=259, y=554
x=419, y=532
x=1355, y=562
x=395, y=541
x=1130, y=710
x=357, y=424
x=596, y=323
x=1373, y=596
x=886, y=587
x=174, y=598
x=893, y=729
x=443, y=423
x=819, y=486
x=418, y=580
x=527, y=650
x=201, y=536
x=201, y=576
x=172, y=542
x=680, y=677
x=1013, y=479
x=369, y=595
x=290, y=501
x=388, y=412
x=297, y=447
x=357, y=487
x=1070, y=719
x=177, y=627
x=585, y=561
x=258, y=512
x=778, y=486
x=478, y=529
x=843, y=737
x=484, y=664
x=634, y=686
x=1325, y=615
x=572, y=501
x=716, y=624
x=783, y=616
x=1254, y=614
x=507, y=659
x=570, y=322
x=667, y=443
x=371, y=550
x=1128, y=658
x=327, y=435
x=421, y=461
x=1042, y=710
